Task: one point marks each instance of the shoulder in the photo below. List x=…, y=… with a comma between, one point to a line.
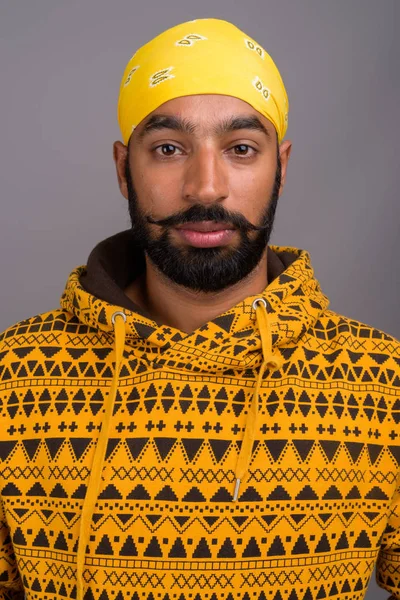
x=332, y=325
x=31, y=334
x=39, y=323
x=357, y=342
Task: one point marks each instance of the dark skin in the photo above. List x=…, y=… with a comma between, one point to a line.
x=223, y=156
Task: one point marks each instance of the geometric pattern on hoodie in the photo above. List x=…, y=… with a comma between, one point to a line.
x=319, y=506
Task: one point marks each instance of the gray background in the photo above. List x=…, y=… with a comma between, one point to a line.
x=61, y=63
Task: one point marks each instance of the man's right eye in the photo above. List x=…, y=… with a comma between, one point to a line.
x=166, y=149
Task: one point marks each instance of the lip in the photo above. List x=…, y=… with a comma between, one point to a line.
x=206, y=238
x=205, y=226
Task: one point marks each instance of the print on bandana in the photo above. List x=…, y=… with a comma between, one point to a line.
x=161, y=76
x=258, y=84
x=190, y=39
x=131, y=72
x=255, y=48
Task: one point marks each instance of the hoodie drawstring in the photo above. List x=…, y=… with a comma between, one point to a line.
x=271, y=361
x=118, y=320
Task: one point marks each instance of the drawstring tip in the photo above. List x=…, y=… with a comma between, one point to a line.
x=236, y=492
x=275, y=363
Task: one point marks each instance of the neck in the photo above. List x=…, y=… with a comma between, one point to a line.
x=184, y=309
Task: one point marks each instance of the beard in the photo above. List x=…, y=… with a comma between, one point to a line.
x=203, y=269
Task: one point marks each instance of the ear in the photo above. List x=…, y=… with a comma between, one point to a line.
x=285, y=149
x=120, y=154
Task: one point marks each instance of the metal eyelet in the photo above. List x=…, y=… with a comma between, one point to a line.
x=120, y=313
x=257, y=301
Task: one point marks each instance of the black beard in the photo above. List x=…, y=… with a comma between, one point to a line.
x=204, y=269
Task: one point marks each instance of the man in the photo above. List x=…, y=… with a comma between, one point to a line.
x=194, y=422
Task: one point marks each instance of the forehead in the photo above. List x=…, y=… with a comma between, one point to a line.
x=206, y=110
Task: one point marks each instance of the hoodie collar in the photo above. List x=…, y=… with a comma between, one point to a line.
x=117, y=261
x=293, y=298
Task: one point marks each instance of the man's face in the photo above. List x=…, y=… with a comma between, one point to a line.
x=203, y=178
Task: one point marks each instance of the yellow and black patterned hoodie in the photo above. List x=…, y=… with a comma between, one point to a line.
x=256, y=458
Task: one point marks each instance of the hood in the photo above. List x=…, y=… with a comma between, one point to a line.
x=232, y=340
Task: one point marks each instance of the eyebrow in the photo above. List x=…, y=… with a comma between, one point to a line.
x=159, y=122
x=241, y=122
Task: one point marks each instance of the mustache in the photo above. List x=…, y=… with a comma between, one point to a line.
x=199, y=212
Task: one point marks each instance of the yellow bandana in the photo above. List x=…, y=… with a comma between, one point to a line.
x=205, y=56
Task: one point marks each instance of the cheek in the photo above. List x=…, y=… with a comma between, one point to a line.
x=156, y=195
x=251, y=192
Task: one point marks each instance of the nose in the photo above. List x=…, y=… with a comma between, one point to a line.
x=206, y=179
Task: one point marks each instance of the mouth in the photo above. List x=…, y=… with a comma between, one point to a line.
x=205, y=226
x=206, y=234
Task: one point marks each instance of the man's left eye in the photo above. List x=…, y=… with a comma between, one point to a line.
x=243, y=150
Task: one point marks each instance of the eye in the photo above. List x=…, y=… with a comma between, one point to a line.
x=166, y=149
x=244, y=150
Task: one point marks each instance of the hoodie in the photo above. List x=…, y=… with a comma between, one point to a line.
x=256, y=458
